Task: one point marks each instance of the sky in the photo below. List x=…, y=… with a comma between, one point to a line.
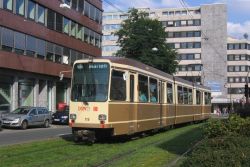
x=238, y=11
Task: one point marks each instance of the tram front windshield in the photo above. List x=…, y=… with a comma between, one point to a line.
x=90, y=82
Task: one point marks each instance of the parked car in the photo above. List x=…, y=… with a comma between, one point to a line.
x=24, y=117
x=0, y=124
x=4, y=109
x=61, y=117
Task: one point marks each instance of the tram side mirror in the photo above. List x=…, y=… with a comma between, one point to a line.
x=125, y=76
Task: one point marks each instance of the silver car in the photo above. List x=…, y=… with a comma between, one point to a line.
x=24, y=117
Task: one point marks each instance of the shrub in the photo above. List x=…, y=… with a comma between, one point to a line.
x=219, y=152
x=226, y=143
x=215, y=128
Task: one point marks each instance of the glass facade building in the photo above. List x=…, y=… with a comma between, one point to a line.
x=38, y=40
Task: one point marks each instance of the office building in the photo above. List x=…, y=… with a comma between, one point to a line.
x=199, y=34
x=40, y=39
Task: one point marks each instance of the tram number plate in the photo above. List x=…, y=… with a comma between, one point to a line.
x=86, y=119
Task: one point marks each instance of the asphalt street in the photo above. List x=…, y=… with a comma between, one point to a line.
x=18, y=136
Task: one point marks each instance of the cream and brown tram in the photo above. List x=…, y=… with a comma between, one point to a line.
x=119, y=96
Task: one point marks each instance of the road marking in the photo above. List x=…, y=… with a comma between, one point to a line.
x=65, y=134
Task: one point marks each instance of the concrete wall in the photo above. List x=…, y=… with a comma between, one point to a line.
x=214, y=47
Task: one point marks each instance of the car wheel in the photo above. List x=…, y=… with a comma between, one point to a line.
x=46, y=123
x=24, y=125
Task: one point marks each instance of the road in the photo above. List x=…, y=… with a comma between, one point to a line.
x=17, y=136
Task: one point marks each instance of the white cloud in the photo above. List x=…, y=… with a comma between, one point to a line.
x=237, y=30
x=125, y=4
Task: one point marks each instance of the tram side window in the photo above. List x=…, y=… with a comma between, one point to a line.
x=198, y=97
x=153, y=91
x=207, y=98
x=170, y=93
x=118, y=86
x=185, y=92
x=180, y=95
x=132, y=80
x=143, y=88
x=190, y=96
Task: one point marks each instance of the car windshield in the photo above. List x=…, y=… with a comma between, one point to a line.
x=21, y=111
x=90, y=82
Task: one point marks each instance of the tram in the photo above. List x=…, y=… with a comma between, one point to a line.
x=119, y=96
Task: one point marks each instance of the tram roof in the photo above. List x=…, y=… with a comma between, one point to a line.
x=131, y=62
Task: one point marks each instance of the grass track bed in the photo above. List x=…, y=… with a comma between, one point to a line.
x=157, y=150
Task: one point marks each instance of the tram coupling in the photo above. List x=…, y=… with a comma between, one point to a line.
x=84, y=135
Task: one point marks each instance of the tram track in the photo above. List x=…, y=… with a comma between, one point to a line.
x=127, y=153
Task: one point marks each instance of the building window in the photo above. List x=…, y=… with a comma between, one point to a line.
x=41, y=14
x=197, y=22
x=92, y=12
x=86, y=8
x=20, y=7
x=19, y=43
x=230, y=57
x=51, y=19
x=230, y=68
x=59, y=22
x=237, y=68
x=66, y=25
x=243, y=57
x=86, y=35
x=31, y=10
x=73, y=29
x=66, y=54
x=25, y=92
x=79, y=32
x=97, y=40
x=230, y=46
x=50, y=51
x=92, y=38
x=80, y=6
x=197, y=45
x=58, y=54
x=7, y=39
x=73, y=57
x=197, y=56
x=40, y=48
x=74, y=4
x=30, y=45
x=8, y=4
x=165, y=13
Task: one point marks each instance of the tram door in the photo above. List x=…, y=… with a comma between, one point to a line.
x=133, y=106
x=161, y=100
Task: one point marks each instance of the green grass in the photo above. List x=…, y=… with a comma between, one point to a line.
x=166, y=147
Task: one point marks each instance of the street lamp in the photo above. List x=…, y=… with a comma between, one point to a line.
x=61, y=74
x=155, y=49
x=246, y=88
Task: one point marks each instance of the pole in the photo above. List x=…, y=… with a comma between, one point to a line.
x=247, y=87
x=232, y=104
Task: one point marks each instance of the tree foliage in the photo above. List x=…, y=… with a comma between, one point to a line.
x=139, y=35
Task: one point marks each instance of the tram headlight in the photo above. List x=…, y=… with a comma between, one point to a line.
x=102, y=117
x=72, y=116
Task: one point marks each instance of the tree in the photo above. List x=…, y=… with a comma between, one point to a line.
x=139, y=35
